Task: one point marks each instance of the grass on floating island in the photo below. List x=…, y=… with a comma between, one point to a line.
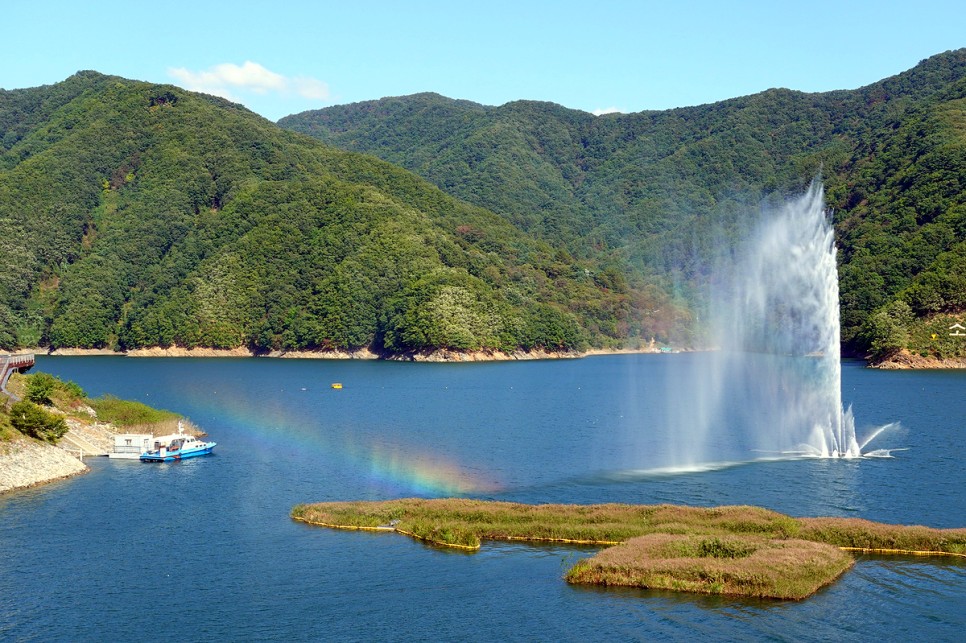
x=738, y=550
x=742, y=565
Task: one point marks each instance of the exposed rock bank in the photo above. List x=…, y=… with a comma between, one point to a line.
x=27, y=463
x=437, y=355
x=444, y=355
x=178, y=351
x=906, y=360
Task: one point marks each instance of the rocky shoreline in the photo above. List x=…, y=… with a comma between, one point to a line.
x=438, y=355
x=902, y=361
x=27, y=463
x=905, y=360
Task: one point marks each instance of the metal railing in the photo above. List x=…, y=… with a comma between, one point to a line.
x=9, y=364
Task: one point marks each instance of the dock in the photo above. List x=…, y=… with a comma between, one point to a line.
x=10, y=364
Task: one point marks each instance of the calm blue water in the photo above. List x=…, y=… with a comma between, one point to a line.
x=204, y=549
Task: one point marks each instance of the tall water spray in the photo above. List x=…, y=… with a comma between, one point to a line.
x=773, y=387
x=786, y=305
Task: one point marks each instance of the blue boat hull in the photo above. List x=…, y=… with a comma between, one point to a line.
x=173, y=456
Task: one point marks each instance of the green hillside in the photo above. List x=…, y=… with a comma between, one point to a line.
x=659, y=192
x=134, y=215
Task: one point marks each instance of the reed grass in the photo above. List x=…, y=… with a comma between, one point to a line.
x=742, y=550
x=128, y=413
x=865, y=535
x=470, y=521
x=764, y=568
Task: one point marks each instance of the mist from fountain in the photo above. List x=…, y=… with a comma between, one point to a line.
x=773, y=386
x=788, y=295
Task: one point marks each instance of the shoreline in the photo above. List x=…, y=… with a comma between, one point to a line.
x=906, y=361
x=901, y=361
x=438, y=355
x=26, y=463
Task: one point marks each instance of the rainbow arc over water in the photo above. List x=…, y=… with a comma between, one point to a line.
x=396, y=467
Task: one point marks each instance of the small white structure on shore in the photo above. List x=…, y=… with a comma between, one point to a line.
x=130, y=446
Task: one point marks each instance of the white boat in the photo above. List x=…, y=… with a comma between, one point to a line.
x=177, y=446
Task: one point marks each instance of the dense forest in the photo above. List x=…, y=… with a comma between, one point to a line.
x=135, y=215
x=658, y=193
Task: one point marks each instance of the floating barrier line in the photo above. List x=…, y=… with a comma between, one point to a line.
x=909, y=552
x=385, y=528
x=436, y=542
x=542, y=539
x=575, y=541
x=346, y=527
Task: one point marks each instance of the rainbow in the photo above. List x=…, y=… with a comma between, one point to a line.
x=398, y=468
x=423, y=473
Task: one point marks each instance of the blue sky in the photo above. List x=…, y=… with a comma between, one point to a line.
x=278, y=58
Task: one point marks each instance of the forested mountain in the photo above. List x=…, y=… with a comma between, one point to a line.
x=134, y=214
x=656, y=192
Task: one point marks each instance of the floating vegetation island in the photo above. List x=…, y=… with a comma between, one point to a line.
x=735, y=550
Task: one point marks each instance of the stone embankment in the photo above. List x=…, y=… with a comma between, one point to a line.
x=27, y=463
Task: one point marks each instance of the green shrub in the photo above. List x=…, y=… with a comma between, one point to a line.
x=7, y=432
x=40, y=387
x=32, y=420
x=72, y=388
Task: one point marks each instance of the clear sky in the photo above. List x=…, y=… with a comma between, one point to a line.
x=282, y=57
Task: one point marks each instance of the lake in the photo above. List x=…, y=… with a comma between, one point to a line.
x=204, y=549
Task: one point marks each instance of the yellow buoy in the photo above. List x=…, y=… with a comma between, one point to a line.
x=336, y=385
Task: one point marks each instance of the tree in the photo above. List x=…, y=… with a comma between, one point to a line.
x=887, y=329
x=39, y=388
x=8, y=337
x=32, y=420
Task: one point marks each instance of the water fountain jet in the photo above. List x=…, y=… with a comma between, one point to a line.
x=774, y=384
x=785, y=303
